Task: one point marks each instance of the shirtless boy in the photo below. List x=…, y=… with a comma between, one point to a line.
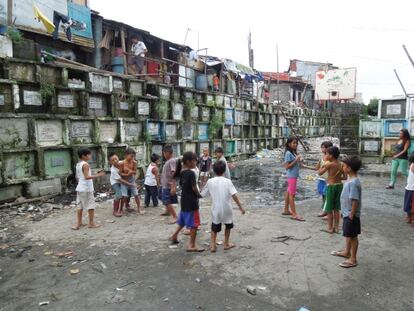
x=128, y=170
x=336, y=174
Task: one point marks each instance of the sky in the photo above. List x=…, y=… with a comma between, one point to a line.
x=366, y=34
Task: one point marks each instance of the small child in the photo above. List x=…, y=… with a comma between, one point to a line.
x=336, y=174
x=205, y=167
x=409, y=192
x=292, y=165
x=351, y=211
x=151, y=182
x=220, y=157
x=85, y=199
x=129, y=170
x=189, y=215
x=168, y=184
x=221, y=190
x=116, y=181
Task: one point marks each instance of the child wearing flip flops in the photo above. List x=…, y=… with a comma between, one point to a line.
x=292, y=166
x=222, y=191
x=189, y=216
x=351, y=211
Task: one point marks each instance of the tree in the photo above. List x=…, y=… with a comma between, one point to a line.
x=373, y=107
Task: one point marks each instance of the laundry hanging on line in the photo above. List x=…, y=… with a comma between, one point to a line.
x=67, y=24
x=50, y=28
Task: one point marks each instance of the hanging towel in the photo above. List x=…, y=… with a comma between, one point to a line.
x=43, y=19
x=66, y=23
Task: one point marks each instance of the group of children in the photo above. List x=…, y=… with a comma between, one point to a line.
x=186, y=170
x=338, y=197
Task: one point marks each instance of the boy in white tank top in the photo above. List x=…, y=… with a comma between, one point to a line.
x=85, y=199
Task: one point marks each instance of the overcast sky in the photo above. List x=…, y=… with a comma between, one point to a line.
x=367, y=35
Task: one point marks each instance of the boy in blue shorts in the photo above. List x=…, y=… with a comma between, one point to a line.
x=351, y=211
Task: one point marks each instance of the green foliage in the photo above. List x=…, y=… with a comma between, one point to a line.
x=147, y=138
x=212, y=103
x=372, y=107
x=14, y=34
x=47, y=91
x=215, y=124
x=162, y=109
x=189, y=104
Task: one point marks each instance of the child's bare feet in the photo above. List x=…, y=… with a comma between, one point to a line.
x=174, y=240
x=93, y=226
x=172, y=221
x=348, y=264
x=330, y=231
x=186, y=231
x=229, y=246
x=213, y=248
x=76, y=227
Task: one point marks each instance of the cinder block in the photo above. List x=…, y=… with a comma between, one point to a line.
x=13, y=133
x=43, y=187
x=10, y=193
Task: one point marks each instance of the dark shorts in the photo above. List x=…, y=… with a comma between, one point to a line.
x=408, y=201
x=217, y=227
x=189, y=220
x=167, y=198
x=351, y=228
x=137, y=61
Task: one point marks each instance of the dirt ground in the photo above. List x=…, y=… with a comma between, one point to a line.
x=128, y=265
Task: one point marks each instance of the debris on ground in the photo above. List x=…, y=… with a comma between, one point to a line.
x=74, y=271
x=284, y=238
x=43, y=303
x=251, y=290
x=67, y=254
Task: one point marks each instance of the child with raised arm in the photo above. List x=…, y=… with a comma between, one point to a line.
x=292, y=166
x=222, y=191
x=336, y=174
x=116, y=182
x=128, y=171
x=351, y=211
x=85, y=199
x=190, y=214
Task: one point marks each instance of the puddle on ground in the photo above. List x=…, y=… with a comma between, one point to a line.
x=268, y=184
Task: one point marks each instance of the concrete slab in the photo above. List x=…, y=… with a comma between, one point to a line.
x=43, y=187
x=49, y=132
x=14, y=133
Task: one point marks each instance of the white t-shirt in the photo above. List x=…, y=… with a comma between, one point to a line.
x=84, y=185
x=221, y=190
x=115, y=177
x=150, y=179
x=410, y=179
x=227, y=172
x=139, y=49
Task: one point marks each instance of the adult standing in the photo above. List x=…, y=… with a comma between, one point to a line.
x=400, y=157
x=138, y=50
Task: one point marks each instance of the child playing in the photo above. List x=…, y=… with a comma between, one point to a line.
x=116, y=181
x=220, y=157
x=205, y=167
x=189, y=215
x=409, y=192
x=128, y=170
x=168, y=184
x=291, y=164
x=321, y=186
x=221, y=190
x=151, y=182
x=336, y=174
x=351, y=211
x=85, y=199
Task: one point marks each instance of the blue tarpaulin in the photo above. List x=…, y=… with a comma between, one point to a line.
x=82, y=14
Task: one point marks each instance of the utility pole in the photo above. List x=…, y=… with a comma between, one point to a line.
x=277, y=74
x=408, y=55
x=399, y=80
x=251, y=56
x=186, y=34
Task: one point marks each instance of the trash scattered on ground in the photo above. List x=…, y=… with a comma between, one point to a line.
x=110, y=221
x=251, y=290
x=151, y=288
x=281, y=253
x=43, y=303
x=303, y=309
x=172, y=246
x=74, y=271
x=119, y=288
x=246, y=246
x=262, y=287
x=67, y=254
x=48, y=253
x=198, y=280
x=103, y=265
x=116, y=299
x=165, y=299
x=284, y=238
x=109, y=253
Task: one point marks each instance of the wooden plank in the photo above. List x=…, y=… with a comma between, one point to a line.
x=124, y=50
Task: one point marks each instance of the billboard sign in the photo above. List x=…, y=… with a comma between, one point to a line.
x=335, y=84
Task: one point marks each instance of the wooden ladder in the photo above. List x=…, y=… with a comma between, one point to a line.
x=294, y=128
